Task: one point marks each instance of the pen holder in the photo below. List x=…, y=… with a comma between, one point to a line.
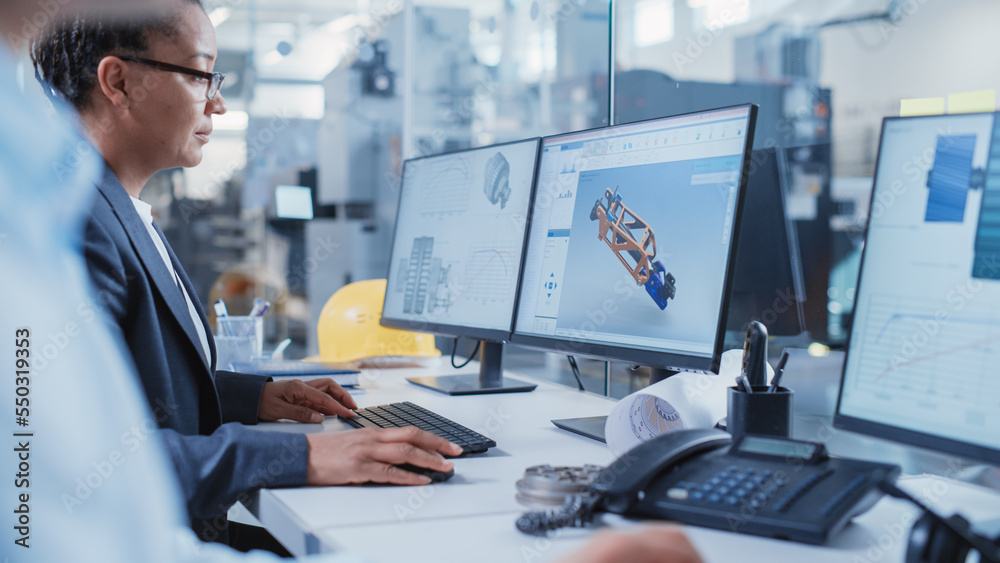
x=238, y=339
x=760, y=412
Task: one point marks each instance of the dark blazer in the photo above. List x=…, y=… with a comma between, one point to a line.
x=217, y=462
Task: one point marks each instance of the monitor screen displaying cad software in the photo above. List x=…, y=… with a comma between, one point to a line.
x=631, y=236
x=925, y=343
x=459, y=241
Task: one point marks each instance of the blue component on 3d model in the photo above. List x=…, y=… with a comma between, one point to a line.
x=661, y=285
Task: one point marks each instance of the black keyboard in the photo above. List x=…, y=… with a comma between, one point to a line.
x=398, y=415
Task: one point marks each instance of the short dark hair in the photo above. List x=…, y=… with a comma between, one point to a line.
x=67, y=54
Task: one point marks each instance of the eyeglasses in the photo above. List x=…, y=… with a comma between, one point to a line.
x=215, y=78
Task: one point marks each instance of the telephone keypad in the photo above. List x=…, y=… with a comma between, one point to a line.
x=733, y=486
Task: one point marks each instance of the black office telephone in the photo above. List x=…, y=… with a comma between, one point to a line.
x=760, y=485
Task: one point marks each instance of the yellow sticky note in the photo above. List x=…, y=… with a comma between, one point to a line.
x=972, y=102
x=921, y=106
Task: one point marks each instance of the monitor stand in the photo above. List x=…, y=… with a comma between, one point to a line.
x=489, y=380
x=593, y=426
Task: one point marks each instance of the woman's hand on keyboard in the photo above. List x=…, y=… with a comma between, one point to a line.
x=371, y=455
x=304, y=401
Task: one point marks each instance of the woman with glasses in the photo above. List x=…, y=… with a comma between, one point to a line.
x=45, y=283
x=146, y=92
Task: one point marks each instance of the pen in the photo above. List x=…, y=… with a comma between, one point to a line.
x=743, y=383
x=220, y=311
x=778, y=371
x=280, y=349
x=255, y=311
x=264, y=308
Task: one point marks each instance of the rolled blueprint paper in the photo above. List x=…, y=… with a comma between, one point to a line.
x=685, y=400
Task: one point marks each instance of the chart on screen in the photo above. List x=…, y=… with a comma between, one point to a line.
x=929, y=353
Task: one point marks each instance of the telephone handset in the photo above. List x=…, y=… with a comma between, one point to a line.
x=755, y=354
x=758, y=485
x=622, y=482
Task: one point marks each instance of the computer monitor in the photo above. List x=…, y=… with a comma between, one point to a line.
x=630, y=247
x=457, y=253
x=293, y=202
x=767, y=283
x=925, y=343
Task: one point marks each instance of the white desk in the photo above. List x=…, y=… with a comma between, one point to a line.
x=471, y=516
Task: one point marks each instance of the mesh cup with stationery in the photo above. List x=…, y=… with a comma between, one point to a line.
x=238, y=339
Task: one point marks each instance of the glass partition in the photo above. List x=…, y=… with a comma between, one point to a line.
x=489, y=71
x=334, y=94
x=824, y=75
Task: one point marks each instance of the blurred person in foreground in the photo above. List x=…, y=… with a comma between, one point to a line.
x=99, y=485
x=96, y=484
x=146, y=92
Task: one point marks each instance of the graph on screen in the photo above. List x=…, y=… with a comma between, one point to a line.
x=447, y=187
x=489, y=272
x=927, y=352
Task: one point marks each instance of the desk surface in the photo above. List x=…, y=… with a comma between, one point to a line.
x=472, y=515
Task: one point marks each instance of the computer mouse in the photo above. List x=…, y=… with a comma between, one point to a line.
x=436, y=476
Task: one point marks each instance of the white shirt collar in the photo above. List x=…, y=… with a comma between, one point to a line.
x=144, y=209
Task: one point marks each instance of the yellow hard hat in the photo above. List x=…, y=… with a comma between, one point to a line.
x=349, y=329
